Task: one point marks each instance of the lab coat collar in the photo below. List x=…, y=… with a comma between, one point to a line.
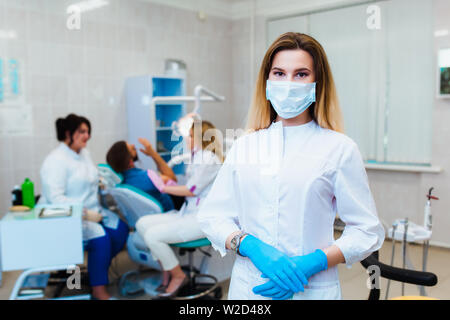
x=276, y=125
x=276, y=145
x=69, y=151
x=279, y=124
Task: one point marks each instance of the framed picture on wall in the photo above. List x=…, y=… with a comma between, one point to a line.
x=444, y=73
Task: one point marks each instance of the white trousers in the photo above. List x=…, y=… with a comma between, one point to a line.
x=160, y=230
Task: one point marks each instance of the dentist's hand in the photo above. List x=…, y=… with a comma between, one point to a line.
x=91, y=215
x=168, y=181
x=271, y=290
x=274, y=264
x=164, y=178
x=309, y=264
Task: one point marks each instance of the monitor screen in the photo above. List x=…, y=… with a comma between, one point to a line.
x=444, y=72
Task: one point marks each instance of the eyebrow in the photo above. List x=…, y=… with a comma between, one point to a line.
x=301, y=69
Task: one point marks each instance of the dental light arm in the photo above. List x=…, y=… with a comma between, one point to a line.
x=199, y=89
x=197, y=98
x=180, y=127
x=183, y=125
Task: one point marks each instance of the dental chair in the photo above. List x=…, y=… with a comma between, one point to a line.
x=419, y=278
x=133, y=203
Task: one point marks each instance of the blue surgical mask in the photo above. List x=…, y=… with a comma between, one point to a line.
x=289, y=99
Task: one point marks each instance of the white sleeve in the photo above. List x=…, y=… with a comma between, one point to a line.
x=204, y=173
x=363, y=233
x=54, y=177
x=218, y=214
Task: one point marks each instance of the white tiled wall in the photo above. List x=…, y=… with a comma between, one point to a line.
x=83, y=71
x=403, y=194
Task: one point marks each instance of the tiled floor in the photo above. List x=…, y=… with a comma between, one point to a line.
x=353, y=281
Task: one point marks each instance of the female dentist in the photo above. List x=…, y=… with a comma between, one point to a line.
x=160, y=230
x=68, y=175
x=275, y=199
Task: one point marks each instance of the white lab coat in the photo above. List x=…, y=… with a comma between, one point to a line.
x=284, y=185
x=173, y=227
x=200, y=174
x=69, y=177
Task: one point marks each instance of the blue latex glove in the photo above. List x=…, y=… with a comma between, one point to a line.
x=274, y=291
x=277, y=266
x=309, y=264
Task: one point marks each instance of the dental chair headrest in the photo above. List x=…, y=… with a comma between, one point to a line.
x=108, y=177
x=134, y=203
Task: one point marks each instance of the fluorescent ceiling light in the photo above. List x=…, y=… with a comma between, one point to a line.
x=441, y=33
x=89, y=5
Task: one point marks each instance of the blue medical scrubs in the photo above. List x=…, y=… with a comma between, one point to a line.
x=102, y=247
x=138, y=178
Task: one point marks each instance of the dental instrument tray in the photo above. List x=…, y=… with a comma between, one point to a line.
x=55, y=212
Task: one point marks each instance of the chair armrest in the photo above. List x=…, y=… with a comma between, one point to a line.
x=398, y=274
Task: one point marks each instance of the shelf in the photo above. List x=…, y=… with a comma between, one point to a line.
x=174, y=102
x=164, y=129
x=164, y=103
x=403, y=168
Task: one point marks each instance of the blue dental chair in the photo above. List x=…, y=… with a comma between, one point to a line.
x=133, y=203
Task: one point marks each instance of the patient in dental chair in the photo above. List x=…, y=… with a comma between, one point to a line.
x=122, y=157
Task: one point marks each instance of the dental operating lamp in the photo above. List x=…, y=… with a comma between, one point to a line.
x=184, y=124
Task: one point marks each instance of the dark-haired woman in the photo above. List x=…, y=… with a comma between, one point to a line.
x=68, y=175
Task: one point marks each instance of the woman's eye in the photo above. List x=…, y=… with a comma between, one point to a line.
x=278, y=73
x=302, y=75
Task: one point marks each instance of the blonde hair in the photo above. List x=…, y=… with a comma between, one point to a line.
x=325, y=111
x=209, y=140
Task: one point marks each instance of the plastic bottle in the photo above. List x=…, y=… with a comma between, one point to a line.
x=28, y=193
x=17, y=196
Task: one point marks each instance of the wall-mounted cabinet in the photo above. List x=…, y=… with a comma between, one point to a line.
x=154, y=122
